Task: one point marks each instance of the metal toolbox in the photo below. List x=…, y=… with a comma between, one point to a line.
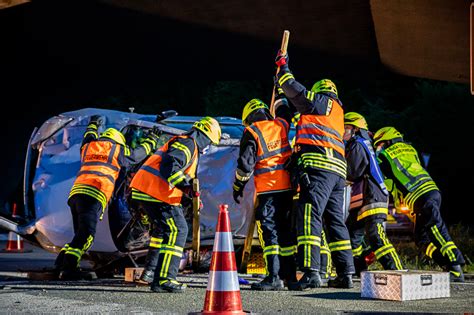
x=405, y=285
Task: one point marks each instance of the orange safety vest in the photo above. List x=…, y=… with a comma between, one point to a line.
x=272, y=153
x=149, y=180
x=323, y=130
x=100, y=167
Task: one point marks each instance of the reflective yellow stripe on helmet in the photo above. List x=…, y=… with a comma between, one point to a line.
x=210, y=127
x=386, y=134
x=252, y=106
x=114, y=134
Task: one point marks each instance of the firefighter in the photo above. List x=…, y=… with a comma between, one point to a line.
x=264, y=151
x=366, y=217
x=161, y=186
x=102, y=159
x=134, y=136
x=322, y=172
x=325, y=269
x=413, y=187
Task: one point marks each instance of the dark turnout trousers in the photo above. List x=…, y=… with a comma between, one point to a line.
x=85, y=212
x=168, y=222
x=322, y=198
x=372, y=228
x=431, y=234
x=273, y=219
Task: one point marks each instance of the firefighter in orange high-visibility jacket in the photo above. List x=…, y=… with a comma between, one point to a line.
x=319, y=150
x=366, y=218
x=161, y=186
x=264, y=151
x=325, y=268
x=412, y=184
x=102, y=159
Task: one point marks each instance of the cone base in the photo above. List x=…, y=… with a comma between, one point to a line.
x=15, y=251
x=221, y=312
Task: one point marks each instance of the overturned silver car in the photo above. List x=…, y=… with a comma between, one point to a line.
x=53, y=159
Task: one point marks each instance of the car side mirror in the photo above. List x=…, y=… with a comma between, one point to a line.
x=166, y=114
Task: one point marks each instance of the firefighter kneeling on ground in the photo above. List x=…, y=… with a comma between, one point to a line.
x=102, y=159
x=412, y=184
x=320, y=153
x=161, y=186
x=264, y=151
x=368, y=213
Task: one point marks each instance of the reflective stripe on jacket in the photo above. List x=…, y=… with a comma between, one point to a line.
x=150, y=181
x=407, y=169
x=272, y=153
x=323, y=130
x=100, y=169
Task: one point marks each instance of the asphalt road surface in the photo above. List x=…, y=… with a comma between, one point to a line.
x=20, y=294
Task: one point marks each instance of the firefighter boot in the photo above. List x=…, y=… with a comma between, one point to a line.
x=310, y=279
x=343, y=282
x=59, y=262
x=455, y=273
x=270, y=283
x=71, y=271
x=287, y=272
x=324, y=277
x=150, y=265
x=168, y=285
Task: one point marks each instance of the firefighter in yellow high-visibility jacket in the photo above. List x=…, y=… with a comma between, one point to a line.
x=400, y=163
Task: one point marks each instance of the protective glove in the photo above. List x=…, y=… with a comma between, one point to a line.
x=186, y=201
x=188, y=191
x=279, y=91
x=238, y=191
x=304, y=179
x=144, y=219
x=97, y=120
x=154, y=134
x=188, y=195
x=281, y=59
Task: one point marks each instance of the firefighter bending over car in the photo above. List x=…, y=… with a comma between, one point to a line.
x=161, y=186
x=322, y=171
x=102, y=159
x=264, y=152
x=412, y=186
x=368, y=212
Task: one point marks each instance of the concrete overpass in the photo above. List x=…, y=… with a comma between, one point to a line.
x=421, y=38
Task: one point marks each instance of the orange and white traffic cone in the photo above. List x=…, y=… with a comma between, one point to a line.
x=14, y=244
x=223, y=291
x=15, y=241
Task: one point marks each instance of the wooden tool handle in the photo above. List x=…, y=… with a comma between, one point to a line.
x=196, y=225
x=284, y=41
x=284, y=48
